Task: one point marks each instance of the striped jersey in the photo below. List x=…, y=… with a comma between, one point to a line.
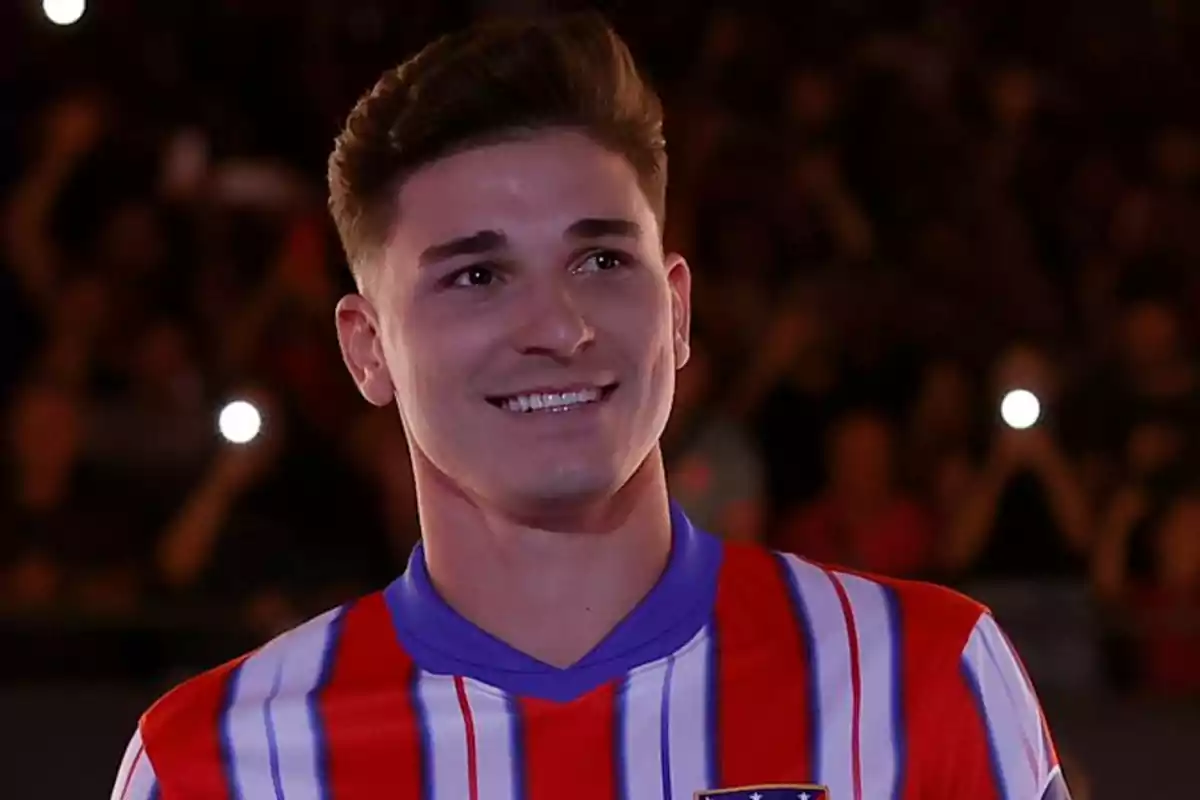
x=744, y=674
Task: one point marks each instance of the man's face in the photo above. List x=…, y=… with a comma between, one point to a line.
x=526, y=321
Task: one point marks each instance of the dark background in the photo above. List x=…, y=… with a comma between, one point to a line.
x=897, y=211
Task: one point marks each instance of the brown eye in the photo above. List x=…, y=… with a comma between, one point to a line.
x=603, y=261
x=474, y=276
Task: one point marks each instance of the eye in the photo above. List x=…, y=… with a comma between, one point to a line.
x=473, y=276
x=603, y=261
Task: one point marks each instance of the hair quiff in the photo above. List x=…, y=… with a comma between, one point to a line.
x=493, y=81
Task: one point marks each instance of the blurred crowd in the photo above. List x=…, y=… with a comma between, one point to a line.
x=897, y=212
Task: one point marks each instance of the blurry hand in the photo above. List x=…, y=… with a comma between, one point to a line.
x=74, y=126
x=1032, y=448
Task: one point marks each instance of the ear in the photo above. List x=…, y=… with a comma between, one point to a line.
x=362, y=349
x=679, y=282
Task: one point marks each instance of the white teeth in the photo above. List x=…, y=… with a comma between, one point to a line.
x=551, y=401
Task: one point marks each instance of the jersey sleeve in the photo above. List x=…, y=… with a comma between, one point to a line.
x=135, y=776
x=1021, y=760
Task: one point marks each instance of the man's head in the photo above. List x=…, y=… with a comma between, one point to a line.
x=500, y=200
x=499, y=81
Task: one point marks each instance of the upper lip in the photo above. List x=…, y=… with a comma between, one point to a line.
x=566, y=388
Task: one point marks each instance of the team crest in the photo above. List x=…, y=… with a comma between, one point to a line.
x=775, y=791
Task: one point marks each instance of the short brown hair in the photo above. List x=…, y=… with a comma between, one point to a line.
x=485, y=84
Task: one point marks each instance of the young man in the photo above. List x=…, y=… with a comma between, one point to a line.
x=563, y=631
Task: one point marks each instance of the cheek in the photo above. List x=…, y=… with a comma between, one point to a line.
x=432, y=358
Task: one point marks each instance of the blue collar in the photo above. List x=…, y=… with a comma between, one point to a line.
x=442, y=641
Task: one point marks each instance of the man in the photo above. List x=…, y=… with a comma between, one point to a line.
x=563, y=631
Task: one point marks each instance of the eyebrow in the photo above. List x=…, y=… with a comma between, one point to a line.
x=596, y=228
x=486, y=241
x=472, y=245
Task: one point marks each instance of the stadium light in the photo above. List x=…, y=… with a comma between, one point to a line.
x=64, y=12
x=239, y=422
x=1020, y=409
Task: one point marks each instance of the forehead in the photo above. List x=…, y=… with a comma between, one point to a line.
x=540, y=183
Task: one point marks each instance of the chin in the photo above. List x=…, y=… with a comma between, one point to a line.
x=557, y=490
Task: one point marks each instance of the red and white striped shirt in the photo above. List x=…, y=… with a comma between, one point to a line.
x=742, y=668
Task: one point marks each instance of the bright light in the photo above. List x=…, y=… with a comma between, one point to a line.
x=239, y=422
x=64, y=12
x=1020, y=409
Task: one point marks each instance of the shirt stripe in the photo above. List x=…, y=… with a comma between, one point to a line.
x=944, y=738
x=135, y=775
x=878, y=729
x=437, y=696
x=664, y=729
x=899, y=728
x=374, y=733
x=855, y=687
x=685, y=716
x=641, y=742
x=246, y=725
x=569, y=747
x=315, y=719
x=831, y=664
x=268, y=728
x=464, y=706
x=1009, y=709
x=184, y=736
x=491, y=717
x=764, y=720
x=225, y=735
x=294, y=728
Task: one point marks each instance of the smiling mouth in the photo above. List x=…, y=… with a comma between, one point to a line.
x=553, y=401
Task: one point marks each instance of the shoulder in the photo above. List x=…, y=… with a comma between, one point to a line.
x=921, y=616
x=187, y=722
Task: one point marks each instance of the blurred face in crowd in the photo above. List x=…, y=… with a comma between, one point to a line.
x=1014, y=96
x=860, y=457
x=944, y=402
x=526, y=321
x=1149, y=335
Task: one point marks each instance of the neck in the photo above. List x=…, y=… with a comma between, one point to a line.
x=553, y=586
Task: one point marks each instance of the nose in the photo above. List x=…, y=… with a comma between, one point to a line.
x=553, y=324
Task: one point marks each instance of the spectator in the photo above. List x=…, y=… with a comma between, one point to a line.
x=941, y=433
x=863, y=519
x=1147, y=568
x=1143, y=404
x=1025, y=512
x=66, y=542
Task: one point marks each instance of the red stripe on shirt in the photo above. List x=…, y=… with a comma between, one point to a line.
x=763, y=706
x=568, y=748
x=855, y=682
x=947, y=746
x=469, y=722
x=372, y=727
x=182, y=736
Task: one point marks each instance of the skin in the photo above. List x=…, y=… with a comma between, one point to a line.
x=546, y=528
